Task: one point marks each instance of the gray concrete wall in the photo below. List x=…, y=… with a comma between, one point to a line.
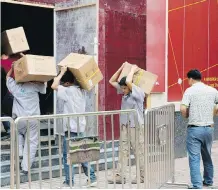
x=180, y=134
x=76, y=28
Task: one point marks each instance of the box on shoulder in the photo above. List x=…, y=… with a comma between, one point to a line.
x=143, y=79
x=14, y=41
x=35, y=68
x=84, y=68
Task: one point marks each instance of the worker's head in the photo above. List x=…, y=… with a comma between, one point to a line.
x=193, y=76
x=125, y=89
x=68, y=79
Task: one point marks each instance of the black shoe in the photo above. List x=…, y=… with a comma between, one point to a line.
x=24, y=172
x=192, y=187
x=207, y=185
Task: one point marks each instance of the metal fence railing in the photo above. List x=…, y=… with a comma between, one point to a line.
x=142, y=158
x=12, y=148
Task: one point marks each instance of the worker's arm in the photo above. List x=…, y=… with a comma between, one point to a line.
x=184, y=111
x=216, y=110
x=10, y=72
x=113, y=80
x=129, y=78
x=57, y=79
x=184, y=108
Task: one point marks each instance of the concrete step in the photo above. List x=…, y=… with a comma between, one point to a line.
x=5, y=177
x=5, y=154
x=5, y=165
x=44, y=141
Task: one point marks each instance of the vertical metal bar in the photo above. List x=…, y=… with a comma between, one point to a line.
x=49, y=146
x=161, y=152
x=28, y=146
x=162, y=148
x=80, y=179
x=146, y=152
x=172, y=141
x=60, y=157
x=12, y=155
x=80, y=170
x=70, y=164
x=159, y=149
x=129, y=153
x=156, y=152
x=89, y=181
x=39, y=154
x=97, y=168
x=149, y=149
x=105, y=152
x=121, y=149
x=153, y=153
x=137, y=150
x=113, y=151
x=17, y=157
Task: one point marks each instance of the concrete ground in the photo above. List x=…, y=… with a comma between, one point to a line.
x=181, y=176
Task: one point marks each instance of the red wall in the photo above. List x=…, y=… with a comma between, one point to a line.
x=122, y=38
x=156, y=41
x=193, y=43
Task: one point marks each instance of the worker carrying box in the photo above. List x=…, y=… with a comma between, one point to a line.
x=35, y=68
x=84, y=68
x=14, y=41
x=143, y=79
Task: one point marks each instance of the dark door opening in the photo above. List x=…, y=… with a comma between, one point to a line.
x=38, y=25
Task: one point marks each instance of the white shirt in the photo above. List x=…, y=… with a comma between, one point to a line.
x=134, y=100
x=26, y=97
x=200, y=99
x=74, y=101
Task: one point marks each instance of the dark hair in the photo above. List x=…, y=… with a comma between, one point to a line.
x=68, y=77
x=194, y=74
x=123, y=82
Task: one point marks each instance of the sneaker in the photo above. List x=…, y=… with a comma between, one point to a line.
x=118, y=180
x=207, y=185
x=90, y=184
x=66, y=185
x=134, y=181
x=192, y=187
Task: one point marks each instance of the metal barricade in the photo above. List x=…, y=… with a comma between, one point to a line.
x=12, y=148
x=145, y=159
x=44, y=176
x=159, y=147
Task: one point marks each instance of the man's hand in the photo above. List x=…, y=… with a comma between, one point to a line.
x=63, y=69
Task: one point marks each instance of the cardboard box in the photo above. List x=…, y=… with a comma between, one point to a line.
x=14, y=41
x=35, y=68
x=84, y=68
x=126, y=70
x=144, y=79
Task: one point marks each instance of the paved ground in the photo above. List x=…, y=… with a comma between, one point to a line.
x=181, y=176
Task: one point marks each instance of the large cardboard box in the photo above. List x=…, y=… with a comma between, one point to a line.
x=143, y=79
x=126, y=69
x=14, y=41
x=84, y=68
x=35, y=68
